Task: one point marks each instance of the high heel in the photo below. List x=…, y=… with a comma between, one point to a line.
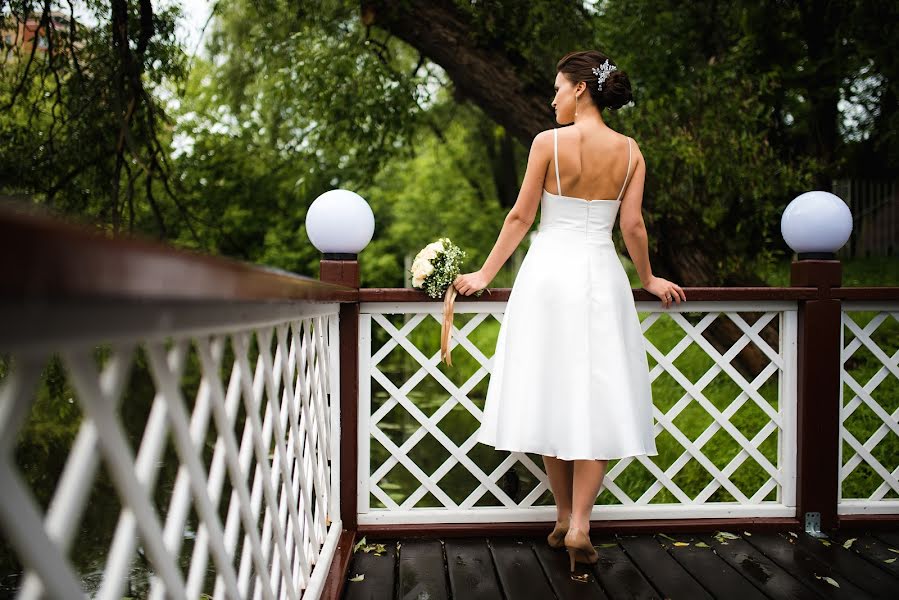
x=556, y=539
x=579, y=547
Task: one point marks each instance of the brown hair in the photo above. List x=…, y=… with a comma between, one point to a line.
x=616, y=89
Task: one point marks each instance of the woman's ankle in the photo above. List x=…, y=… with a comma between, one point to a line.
x=580, y=524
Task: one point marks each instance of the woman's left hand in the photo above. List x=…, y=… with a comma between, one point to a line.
x=469, y=283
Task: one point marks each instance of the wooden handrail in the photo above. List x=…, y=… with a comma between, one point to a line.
x=43, y=258
x=865, y=293
x=693, y=293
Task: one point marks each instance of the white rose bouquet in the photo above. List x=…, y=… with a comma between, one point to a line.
x=433, y=270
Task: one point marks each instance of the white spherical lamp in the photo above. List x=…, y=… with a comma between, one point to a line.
x=816, y=224
x=340, y=224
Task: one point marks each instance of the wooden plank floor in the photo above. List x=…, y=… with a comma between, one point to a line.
x=856, y=565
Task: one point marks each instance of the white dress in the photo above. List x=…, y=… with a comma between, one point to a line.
x=569, y=377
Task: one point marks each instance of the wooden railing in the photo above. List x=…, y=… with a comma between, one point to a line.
x=762, y=389
x=869, y=413
x=283, y=416
x=706, y=412
x=228, y=484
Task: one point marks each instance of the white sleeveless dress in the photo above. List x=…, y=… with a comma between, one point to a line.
x=569, y=377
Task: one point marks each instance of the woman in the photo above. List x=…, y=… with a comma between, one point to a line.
x=570, y=379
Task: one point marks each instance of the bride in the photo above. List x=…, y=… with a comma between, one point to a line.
x=572, y=383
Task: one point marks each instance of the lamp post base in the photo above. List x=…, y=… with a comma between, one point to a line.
x=816, y=256
x=339, y=256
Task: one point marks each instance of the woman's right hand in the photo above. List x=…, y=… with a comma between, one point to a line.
x=665, y=290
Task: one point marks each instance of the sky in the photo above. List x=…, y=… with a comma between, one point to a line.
x=195, y=14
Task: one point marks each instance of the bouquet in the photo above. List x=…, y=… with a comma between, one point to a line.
x=434, y=269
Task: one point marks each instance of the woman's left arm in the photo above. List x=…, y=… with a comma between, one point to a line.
x=519, y=220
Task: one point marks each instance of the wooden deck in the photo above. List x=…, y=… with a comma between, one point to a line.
x=752, y=566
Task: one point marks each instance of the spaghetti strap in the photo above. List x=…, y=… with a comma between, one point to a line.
x=628, y=173
x=556, y=154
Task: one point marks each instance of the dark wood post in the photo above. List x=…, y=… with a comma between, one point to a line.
x=345, y=271
x=818, y=409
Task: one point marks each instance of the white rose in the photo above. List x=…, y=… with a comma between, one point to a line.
x=422, y=269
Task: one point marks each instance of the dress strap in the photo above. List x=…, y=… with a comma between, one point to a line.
x=628, y=173
x=556, y=153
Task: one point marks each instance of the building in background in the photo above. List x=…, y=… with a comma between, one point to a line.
x=19, y=36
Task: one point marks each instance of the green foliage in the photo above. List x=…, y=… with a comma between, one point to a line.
x=703, y=119
x=445, y=189
x=61, y=123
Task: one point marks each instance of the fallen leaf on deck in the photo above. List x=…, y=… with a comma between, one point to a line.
x=828, y=580
x=376, y=548
x=725, y=535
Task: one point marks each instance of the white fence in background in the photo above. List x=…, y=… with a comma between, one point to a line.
x=874, y=205
x=773, y=494
x=257, y=448
x=869, y=402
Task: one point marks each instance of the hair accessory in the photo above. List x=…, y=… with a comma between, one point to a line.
x=602, y=72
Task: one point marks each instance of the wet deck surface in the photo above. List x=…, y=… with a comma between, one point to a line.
x=852, y=565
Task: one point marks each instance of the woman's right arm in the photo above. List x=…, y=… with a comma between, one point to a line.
x=633, y=230
x=637, y=241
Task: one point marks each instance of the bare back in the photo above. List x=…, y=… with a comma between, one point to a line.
x=590, y=167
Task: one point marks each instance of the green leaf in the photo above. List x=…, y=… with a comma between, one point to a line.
x=828, y=580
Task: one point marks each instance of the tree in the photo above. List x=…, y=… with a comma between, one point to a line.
x=83, y=127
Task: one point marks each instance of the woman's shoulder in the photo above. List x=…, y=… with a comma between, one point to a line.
x=622, y=137
x=567, y=133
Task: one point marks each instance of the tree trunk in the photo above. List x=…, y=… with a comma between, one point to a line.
x=485, y=75
x=820, y=31
x=490, y=78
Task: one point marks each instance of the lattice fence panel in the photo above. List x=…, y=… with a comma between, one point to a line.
x=180, y=467
x=869, y=415
x=724, y=419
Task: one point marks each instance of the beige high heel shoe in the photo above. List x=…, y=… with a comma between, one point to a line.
x=580, y=548
x=556, y=539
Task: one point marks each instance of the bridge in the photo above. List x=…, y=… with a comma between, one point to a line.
x=300, y=437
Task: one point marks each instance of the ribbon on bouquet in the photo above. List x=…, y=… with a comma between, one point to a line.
x=446, y=327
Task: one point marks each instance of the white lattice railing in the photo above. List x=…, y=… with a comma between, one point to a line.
x=869, y=415
x=727, y=441
x=252, y=505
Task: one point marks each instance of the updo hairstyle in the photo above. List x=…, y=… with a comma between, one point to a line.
x=616, y=89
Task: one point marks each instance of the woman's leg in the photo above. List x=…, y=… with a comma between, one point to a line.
x=561, y=477
x=588, y=476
